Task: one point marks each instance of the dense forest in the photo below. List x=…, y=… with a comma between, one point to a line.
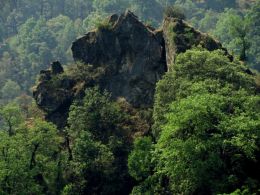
x=200, y=135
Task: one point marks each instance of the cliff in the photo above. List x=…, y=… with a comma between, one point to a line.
x=131, y=54
x=122, y=56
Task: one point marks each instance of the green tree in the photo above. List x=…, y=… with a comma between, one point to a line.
x=231, y=30
x=209, y=21
x=206, y=125
x=99, y=144
x=29, y=158
x=92, y=165
x=10, y=90
x=63, y=29
x=210, y=68
x=7, y=67
x=139, y=160
x=206, y=147
x=33, y=38
x=11, y=118
x=97, y=114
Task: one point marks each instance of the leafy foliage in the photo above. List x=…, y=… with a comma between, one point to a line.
x=139, y=161
x=29, y=156
x=100, y=145
x=206, y=125
x=199, y=70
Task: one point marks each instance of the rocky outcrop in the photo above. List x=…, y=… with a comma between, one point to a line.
x=57, y=89
x=54, y=94
x=131, y=53
x=180, y=36
x=127, y=59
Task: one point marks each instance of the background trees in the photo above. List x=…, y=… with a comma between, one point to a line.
x=33, y=33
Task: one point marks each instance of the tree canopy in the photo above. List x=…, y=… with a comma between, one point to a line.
x=206, y=127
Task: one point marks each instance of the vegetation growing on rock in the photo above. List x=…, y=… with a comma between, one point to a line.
x=149, y=105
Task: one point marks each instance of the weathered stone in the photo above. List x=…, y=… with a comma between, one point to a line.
x=128, y=58
x=180, y=36
x=131, y=53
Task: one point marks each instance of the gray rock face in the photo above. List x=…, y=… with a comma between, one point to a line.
x=132, y=55
x=54, y=96
x=180, y=36
x=127, y=58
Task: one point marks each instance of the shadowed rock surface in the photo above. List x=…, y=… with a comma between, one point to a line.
x=128, y=58
x=132, y=55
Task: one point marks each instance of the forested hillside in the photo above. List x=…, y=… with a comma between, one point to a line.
x=35, y=33
x=129, y=97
